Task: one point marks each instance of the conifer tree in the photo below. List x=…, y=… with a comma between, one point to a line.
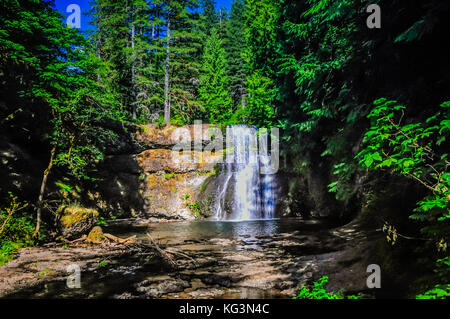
x=213, y=92
x=210, y=16
x=235, y=45
x=183, y=47
x=154, y=48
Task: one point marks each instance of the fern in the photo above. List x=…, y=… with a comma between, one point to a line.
x=317, y=7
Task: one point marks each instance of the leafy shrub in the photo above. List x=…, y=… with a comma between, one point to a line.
x=418, y=151
x=16, y=229
x=438, y=292
x=318, y=291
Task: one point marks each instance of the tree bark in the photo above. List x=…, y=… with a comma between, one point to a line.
x=167, y=80
x=42, y=192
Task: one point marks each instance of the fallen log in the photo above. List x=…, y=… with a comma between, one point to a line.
x=162, y=252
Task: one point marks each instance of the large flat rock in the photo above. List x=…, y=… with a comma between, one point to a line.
x=152, y=137
x=152, y=161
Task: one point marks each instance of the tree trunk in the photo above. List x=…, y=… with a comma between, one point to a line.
x=42, y=193
x=166, y=80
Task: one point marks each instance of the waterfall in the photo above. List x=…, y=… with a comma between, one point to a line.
x=245, y=191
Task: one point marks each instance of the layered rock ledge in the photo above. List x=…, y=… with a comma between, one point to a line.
x=166, y=175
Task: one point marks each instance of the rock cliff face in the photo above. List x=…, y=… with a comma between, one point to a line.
x=176, y=173
x=20, y=171
x=165, y=175
x=151, y=172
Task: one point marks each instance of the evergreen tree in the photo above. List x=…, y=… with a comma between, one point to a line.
x=210, y=16
x=235, y=46
x=111, y=38
x=259, y=109
x=183, y=55
x=213, y=91
x=154, y=47
x=261, y=28
x=262, y=54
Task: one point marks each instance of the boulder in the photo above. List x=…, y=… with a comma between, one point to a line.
x=76, y=221
x=96, y=235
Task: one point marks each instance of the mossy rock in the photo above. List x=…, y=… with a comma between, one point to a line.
x=96, y=235
x=75, y=221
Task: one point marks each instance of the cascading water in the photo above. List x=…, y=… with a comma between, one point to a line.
x=246, y=191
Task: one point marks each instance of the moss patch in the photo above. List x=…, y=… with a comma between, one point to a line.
x=96, y=235
x=71, y=215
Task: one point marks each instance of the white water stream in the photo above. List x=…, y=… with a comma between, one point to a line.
x=253, y=194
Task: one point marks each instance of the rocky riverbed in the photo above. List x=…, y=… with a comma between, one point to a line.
x=254, y=259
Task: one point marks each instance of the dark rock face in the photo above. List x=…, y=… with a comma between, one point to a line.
x=20, y=172
x=306, y=195
x=155, y=181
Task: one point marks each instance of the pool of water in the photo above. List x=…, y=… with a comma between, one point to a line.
x=170, y=233
x=225, y=245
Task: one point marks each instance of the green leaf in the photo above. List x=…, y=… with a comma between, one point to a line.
x=368, y=161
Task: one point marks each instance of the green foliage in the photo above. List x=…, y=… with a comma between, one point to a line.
x=62, y=92
x=169, y=175
x=441, y=291
x=318, y=291
x=344, y=171
x=210, y=16
x=424, y=25
x=213, y=92
x=101, y=222
x=235, y=46
x=438, y=292
x=192, y=205
x=318, y=108
x=259, y=109
x=415, y=150
x=261, y=18
x=131, y=37
x=16, y=229
x=64, y=187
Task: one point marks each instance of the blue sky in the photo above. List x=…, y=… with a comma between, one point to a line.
x=61, y=6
